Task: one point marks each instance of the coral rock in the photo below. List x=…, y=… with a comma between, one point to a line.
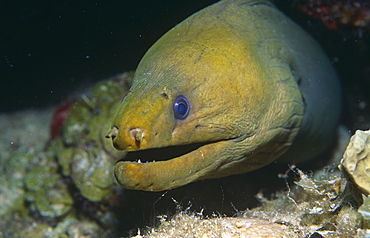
x=356, y=160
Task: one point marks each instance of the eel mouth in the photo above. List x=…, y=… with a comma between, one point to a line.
x=165, y=168
x=161, y=154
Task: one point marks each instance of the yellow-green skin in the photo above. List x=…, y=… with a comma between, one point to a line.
x=259, y=87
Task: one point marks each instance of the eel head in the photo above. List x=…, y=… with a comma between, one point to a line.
x=194, y=98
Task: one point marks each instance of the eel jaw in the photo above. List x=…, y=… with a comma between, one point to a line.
x=162, y=175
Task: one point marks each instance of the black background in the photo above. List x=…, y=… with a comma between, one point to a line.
x=49, y=48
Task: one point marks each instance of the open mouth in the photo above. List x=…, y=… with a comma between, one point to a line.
x=162, y=168
x=160, y=154
x=165, y=168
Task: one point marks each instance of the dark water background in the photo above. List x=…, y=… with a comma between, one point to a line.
x=48, y=48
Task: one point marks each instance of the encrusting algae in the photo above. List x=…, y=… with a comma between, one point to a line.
x=51, y=186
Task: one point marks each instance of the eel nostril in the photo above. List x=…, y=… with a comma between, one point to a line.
x=113, y=133
x=137, y=135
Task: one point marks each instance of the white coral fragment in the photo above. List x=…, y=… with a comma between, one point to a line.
x=356, y=160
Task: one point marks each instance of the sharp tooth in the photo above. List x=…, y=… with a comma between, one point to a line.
x=139, y=161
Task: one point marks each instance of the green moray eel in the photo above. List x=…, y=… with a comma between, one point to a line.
x=230, y=89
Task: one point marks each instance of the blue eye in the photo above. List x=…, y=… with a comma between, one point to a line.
x=181, y=107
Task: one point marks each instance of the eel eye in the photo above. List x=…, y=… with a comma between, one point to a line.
x=181, y=107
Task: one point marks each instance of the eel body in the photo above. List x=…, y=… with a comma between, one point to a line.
x=230, y=89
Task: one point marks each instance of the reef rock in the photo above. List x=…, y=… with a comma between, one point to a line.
x=356, y=160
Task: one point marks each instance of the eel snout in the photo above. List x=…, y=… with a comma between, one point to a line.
x=126, y=138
